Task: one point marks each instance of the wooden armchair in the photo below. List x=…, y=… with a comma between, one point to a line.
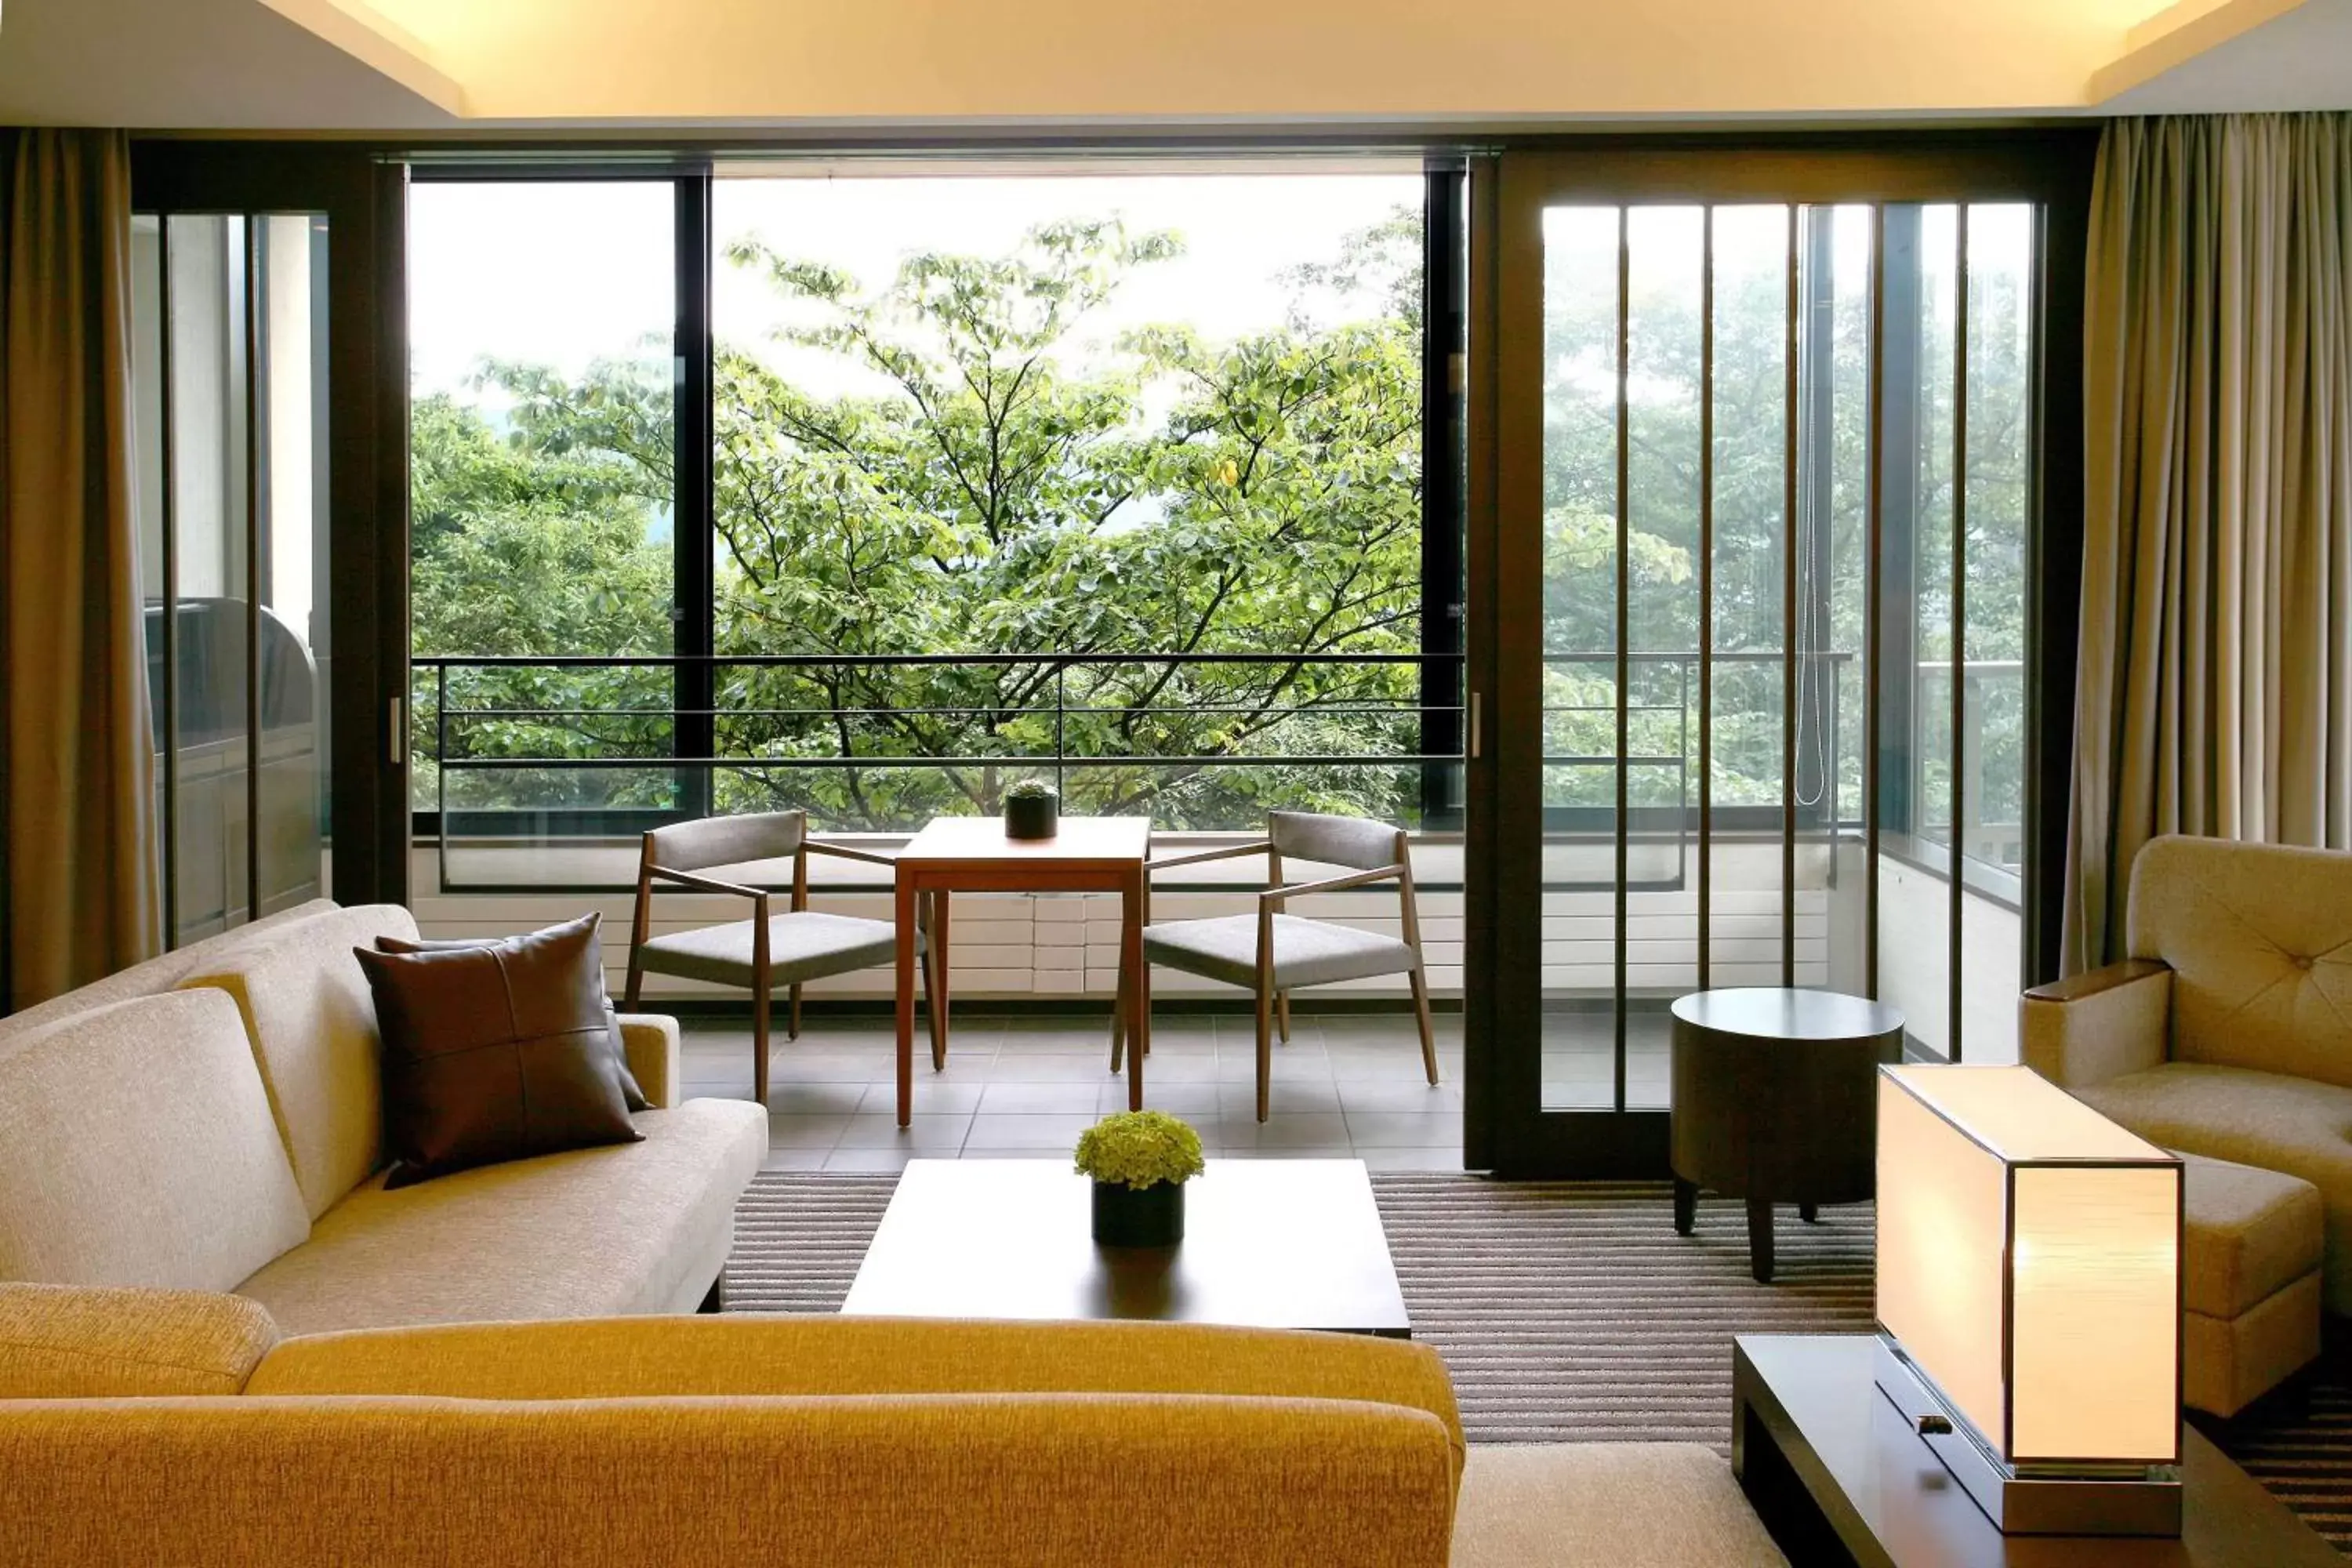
x=792, y=947
x=1272, y=954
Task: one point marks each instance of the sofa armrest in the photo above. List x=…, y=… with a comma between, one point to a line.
x=745, y=1354
x=95, y=1342
x=2093, y=1027
x=983, y=1481
x=650, y=1042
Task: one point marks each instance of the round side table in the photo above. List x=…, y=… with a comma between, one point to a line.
x=1774, y=1101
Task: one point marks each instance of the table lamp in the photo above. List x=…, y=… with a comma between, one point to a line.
x=2029, y=1299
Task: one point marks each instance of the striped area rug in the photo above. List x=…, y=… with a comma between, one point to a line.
x=2298, y=1443
x=1569, y=1311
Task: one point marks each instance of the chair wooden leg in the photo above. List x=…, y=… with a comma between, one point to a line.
x=934, y=1018
x=1428, y=1035
x=939, y=977
x=1119, y=1026
x=1282, y=1014
x=1264, y=1051
x=759, y=1045
x=793, y=1027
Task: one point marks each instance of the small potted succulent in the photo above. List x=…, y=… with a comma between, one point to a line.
x=1139, y=1160
x=1032, y=810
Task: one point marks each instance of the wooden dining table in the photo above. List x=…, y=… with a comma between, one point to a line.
x=972, y=854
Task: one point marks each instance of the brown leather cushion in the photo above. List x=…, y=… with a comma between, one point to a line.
x=629, y=1090
x=495, y=1053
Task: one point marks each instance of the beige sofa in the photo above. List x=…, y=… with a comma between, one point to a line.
x=210, y=1121
x=246, y=1350
x=2227, y=1032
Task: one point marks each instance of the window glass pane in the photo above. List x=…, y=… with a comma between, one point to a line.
x=1916, y=668
x=1839, y=675
x=207, y=328
x=1665, y=255
x=541, y=492
x=1992, y=748
x=1581, y=636
x=289, y=255
x=1750, y=559
x=1111, y=480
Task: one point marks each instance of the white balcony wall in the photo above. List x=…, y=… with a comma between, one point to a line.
x=1912, y=975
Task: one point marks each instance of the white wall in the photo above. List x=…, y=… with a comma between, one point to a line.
x=1914, y=962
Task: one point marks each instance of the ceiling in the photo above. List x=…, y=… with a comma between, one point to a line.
x=459, y=67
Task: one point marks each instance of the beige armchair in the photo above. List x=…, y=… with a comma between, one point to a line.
x=2227, y=1032
x=798, y=946
x=1270, y=953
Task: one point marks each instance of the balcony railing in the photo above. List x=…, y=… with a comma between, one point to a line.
x=514, y=748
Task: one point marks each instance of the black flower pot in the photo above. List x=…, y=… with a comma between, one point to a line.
x=1032, y=815
x=1138, y=1216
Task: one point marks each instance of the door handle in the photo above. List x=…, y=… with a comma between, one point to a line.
x=396, y=734
x=1472, y=750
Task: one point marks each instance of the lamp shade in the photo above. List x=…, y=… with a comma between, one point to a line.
x=2029, y=1266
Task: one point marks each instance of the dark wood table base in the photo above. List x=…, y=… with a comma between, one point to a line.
x=1842, y=1480
x=1776, y=1100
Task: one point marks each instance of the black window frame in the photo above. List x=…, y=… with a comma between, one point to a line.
x=693, y=542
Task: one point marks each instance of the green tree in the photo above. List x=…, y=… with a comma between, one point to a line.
x=1021, y=537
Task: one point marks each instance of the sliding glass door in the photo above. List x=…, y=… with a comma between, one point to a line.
x=262, y=300
x=1768, y=488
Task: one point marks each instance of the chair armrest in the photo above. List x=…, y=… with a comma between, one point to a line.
x=707, y=884
x=1197, y=857
x=2091, y=1028
x=650, y=1041
x=847, y=852
x=1329, y=884
x=979, y=1481
x=97, y=1342
x=744, y=1353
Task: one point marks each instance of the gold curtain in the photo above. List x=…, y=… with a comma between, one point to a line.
x=2215, y=674
x=79, y=799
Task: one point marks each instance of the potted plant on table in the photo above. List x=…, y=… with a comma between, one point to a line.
x=1139, y=1160
x=1033, y=809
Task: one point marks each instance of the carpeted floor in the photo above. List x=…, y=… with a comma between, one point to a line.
x=1570, y=1311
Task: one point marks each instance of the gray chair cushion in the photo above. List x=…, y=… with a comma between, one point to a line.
x=807, y=945
x=1305, y=952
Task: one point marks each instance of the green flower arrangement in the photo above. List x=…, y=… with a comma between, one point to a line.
x=1140, y=1149
x=1031, y=789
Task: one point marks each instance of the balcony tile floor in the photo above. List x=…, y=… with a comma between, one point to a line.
x=1024, y=1088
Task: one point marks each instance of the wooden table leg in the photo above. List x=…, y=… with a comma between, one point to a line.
x=906, y=912
x=1131, y=980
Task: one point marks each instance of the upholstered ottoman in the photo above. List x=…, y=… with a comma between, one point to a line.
x=2251, y=1289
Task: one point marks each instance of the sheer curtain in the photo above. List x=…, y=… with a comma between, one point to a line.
x=2215, y=672
x=81, y=886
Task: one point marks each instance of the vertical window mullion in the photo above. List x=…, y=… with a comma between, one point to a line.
x=1959, y=617
x=694, y=610
x=1873, y=602
x=1705, y=595
x=1790, y=411
x=168, y=591
x=251, y=283
x=1624, y=662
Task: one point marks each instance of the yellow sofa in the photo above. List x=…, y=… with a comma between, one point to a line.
x=140, y=1427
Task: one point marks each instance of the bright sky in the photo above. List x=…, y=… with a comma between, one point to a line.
x=561, y=273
